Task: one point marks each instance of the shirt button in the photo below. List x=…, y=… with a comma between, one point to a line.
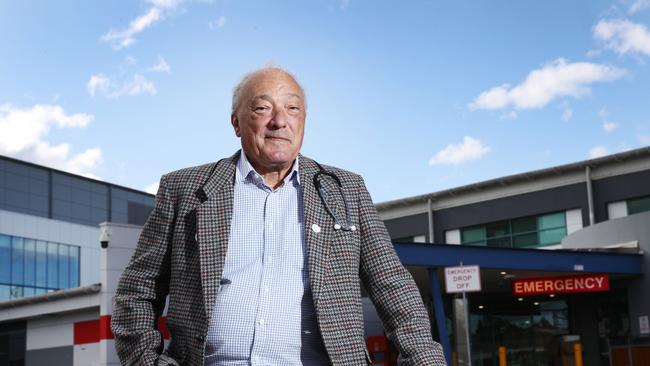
x=261, y=321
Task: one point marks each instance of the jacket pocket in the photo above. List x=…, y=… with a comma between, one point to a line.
x=164, y=360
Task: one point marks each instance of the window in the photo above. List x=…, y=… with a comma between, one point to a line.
x=523, y=232
x=32, y=267
x=636, y=205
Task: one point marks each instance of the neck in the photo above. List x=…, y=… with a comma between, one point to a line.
x=273, y=175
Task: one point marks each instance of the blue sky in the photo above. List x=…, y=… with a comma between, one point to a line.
x=416, y=96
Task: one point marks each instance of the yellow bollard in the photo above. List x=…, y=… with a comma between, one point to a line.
x=503, y=361
x=577, y=352
x=454, y=361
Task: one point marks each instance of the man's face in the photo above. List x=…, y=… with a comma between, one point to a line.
x=270, y=120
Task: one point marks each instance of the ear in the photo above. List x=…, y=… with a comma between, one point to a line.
x=235, y=124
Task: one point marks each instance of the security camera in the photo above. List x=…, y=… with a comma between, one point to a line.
x=104, y=237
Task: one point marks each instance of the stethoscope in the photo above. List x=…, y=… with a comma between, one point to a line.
x=346, y=223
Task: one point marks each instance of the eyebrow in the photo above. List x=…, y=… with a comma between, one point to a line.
x=269, y=99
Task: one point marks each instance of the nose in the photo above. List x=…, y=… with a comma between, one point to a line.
x=279, y=118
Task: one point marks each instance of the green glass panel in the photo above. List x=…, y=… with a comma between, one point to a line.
x=638, y=205
x=524, y=225
x=551, y=221
x=473, y=234
x=497, y=229
x=476, y=243
x=552, y=236
x=499, y=242
x=524, y=240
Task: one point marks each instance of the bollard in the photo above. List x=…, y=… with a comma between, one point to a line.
x=503, y=361
x=454, y=360
x=577, y=352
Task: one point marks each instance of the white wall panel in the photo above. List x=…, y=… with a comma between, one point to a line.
x=452, y=236
x=86, y=354
x=573, y=220
x=616, y=210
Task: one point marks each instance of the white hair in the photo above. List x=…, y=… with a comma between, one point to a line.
x=236, y=92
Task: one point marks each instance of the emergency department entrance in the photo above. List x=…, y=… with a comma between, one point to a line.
x=544, y=328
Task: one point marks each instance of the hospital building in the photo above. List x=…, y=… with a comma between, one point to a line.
x=546, y=267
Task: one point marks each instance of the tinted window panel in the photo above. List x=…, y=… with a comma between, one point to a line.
x=5, y=259
x=17, y=260
x=74, y=266
x=552, y=221
x=41, y=264
x=64, y=267
x=52, y=265
x=30, y=262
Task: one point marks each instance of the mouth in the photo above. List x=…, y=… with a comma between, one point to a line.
x=277, y=138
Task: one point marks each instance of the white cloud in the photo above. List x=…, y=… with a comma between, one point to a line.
x=161, y=66
x=609, y=126
x=623, y=36
x=639, y=5
x=567, y=114
x=217, y=23
x=152, y=188
x=23, y=131
x=597, y=152
x=593, y=53
x=553, y=80
x=126, y=37
x=97, y=83
x=165, y=4
x=137, y=85
x=454, y=154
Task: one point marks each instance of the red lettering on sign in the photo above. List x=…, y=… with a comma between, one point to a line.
x=558, y=285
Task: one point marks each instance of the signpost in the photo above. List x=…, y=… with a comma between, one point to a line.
x=463, y=279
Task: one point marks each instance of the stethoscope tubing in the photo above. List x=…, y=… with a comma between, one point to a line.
x=346, y=224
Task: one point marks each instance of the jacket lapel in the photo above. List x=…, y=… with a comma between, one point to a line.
x=318, y=241
x=213, y=219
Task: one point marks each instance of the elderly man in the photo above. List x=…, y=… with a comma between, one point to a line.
x=262, y=255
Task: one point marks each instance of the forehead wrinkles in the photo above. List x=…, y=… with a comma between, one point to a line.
x=270, y=99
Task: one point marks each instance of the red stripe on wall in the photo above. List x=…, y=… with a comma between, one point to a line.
x=86, y=332
x=92, y=331
x=105, y=327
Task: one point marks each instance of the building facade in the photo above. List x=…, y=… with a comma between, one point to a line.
x=49, y=226
x=597, y=205
x=567, y=224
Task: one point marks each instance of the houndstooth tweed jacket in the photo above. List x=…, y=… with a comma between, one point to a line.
x=181, y=254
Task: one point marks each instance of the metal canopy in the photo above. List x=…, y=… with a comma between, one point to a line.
x=440, y=255
x=434, y=256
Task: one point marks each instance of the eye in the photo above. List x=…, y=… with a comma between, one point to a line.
x=261, y=108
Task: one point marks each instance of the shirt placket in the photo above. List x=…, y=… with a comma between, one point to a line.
x=261, y=334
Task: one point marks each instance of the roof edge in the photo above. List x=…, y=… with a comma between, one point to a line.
x=556, y=170
x=52, y=296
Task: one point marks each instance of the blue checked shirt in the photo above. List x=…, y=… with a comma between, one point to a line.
x=264, y=313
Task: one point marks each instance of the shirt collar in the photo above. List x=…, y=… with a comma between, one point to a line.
x=245, y=170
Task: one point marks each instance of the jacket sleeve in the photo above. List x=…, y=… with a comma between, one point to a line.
x=142, y=289
x=393, y=291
